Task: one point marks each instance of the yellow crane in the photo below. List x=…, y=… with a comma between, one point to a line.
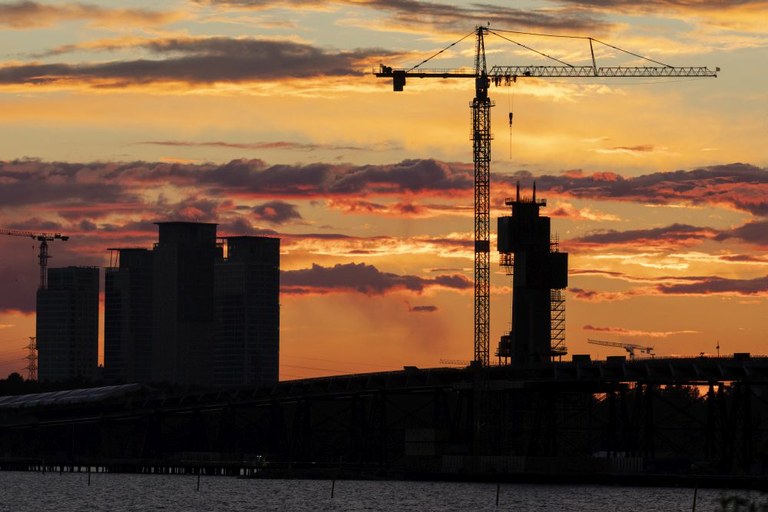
x=43, y=255
x=481, y=134
x=629, y=347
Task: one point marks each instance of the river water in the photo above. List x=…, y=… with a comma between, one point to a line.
x=70, y=492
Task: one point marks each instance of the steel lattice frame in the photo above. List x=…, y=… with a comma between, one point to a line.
x=481, y=142
x=500, y=72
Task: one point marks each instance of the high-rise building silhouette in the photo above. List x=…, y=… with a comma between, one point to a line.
x=182, y=303
x=128, y=316
x=68, y=324
x=183, y=313
x=247, y=312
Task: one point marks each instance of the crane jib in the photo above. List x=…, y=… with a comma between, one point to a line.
x=504, y=75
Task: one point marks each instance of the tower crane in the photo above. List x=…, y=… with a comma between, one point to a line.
x=43, y=255
x=629, y=347
x=481, y=136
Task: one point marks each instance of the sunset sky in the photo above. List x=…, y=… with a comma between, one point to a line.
x=265, y=118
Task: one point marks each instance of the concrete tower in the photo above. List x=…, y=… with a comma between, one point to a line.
x=540, y=271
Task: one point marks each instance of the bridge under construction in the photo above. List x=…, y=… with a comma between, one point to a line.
x=629, y=417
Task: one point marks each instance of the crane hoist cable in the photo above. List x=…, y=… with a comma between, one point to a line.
x=511, y=108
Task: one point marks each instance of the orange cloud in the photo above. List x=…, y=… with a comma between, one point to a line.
x=422, y=17
x=635, y=332
x=738, y=186
x=29, y=14
x=201, y=61
x=361, y=278
x=741, y=15
x=675, y=235
x=569, y=211
x=677, y=286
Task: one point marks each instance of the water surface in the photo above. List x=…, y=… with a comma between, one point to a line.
x=110, y=492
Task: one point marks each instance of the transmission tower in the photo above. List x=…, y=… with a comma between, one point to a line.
x=31, y=358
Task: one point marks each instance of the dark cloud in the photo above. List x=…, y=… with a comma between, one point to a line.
x=739, y=186
x=586, y=295
x=94, y=189
x=753, y=232
x=655, y=5
x=191, y=209
x=142, y=228
x=276, y=212
x=203, y=61
x=716, y=285
x=399, y=210
x=248, y=177
x=744, y=258
x=360, y=278
x=28, y=14
x=90, y=240
x=87, y=225
x=423, y=16
x=597, y=296
x=35, y=225
x=359, y=206
x=25, y=182
x=415, y=13
x=19, y=274
x=677, y=285
x=241, y=226
x=675, y=234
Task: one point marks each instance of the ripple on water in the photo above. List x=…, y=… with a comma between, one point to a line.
x=70, y=492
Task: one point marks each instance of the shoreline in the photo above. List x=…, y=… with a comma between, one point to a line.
x=315, y=471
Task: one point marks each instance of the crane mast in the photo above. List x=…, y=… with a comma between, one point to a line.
x=481, y=142
x=481, y=156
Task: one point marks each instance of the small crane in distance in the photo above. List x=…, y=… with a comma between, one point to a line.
x=629, y=347
x=481, y=134
x=43, y=255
